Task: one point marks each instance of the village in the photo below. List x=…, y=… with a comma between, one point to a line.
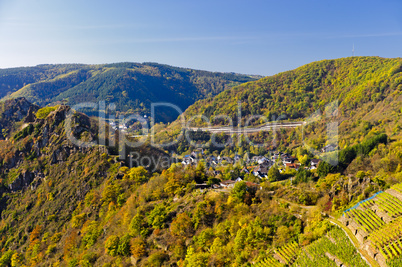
x=257, y=167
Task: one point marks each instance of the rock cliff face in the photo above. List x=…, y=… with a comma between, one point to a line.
x=12, y=111
x=26, y=179
x=31, y=145
x=41, y=140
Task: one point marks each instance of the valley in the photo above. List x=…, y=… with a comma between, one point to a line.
x=320, y=185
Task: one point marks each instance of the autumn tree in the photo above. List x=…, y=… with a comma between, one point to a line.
x=182, y=225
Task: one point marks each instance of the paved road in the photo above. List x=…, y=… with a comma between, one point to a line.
x=265, y=127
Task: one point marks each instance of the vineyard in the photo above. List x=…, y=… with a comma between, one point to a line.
x=382, y=240
x=322, y=252
x=335, y=248
x=317, y=253
x=388, y=239
x=397, y=187
x=367, y=219
x=288, y=252
x=386, y=203
x=269, y=262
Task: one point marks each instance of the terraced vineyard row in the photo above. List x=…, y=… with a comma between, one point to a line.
x=368, y=204
x=367, y=219
x=288, y=252
x=397, y=187
x=387, y=203
x=387, y=239
x=392, y=250
x=269, y=262
x=343, y=250
x=390, y=204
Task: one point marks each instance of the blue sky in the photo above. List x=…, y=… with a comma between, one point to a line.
x=254, y=37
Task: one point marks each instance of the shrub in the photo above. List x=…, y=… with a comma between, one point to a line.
x=112, y=245
x=137, y=247
x=24, y=132
x=91, y=233
x=157, y=217
x=124, y=245
x=43, y=112
x=78, y=220
x=50, y=249
x=5, y=259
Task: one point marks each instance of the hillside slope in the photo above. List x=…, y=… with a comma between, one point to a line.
x=131, y=86
x=368, y=91
x=298, y=93
x=63, y=205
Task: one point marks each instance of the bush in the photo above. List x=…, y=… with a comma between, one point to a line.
x=88, y=260
x=158, y=216
x=137, y=247
x=91, y=234
x=138, y=226
x=5, y=259
x=43, y=112
x=78, y=220
x=50, y=249
x=112, y=245
x=274, y=174
x=157, y=259
x=124, y=245
x=24, y=132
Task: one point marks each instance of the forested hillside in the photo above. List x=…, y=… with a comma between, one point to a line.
x=298, y=93
x=63, y=205
x=368, y=91
x=242, y=204
x=131, y=86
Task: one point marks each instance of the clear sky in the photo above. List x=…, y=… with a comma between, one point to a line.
x=245, y=36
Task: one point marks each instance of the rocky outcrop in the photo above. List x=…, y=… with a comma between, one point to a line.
x=17, y=109
x=31, y=115
x=26, y=179
x=14, y=110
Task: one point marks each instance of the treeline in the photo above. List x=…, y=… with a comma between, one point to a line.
x=132, y=87
x=347, y=155
x=298, y=93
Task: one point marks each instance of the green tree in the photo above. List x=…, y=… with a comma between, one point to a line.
x=137, y=174
x=112, y=245
x=138, y=225
x=91, y=233
x=124, y=245
x=157, y=216
x=274, y=174
x=194, y=259
x=239, y=190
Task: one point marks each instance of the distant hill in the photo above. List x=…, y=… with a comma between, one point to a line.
x=368, y=91
x=131, y=86
x=296, y=94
